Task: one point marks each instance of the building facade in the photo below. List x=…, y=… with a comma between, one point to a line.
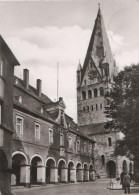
x=47, y=146
x=7, y=63
x=94, y=79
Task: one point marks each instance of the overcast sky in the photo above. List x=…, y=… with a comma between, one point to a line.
x=42, y=33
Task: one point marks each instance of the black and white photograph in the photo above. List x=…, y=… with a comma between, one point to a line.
x=69, y=97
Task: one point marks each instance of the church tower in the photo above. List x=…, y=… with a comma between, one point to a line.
x=95, y=77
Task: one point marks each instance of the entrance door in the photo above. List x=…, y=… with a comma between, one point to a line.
x=111, y=169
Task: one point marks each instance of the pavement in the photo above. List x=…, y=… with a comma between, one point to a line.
x=98, y=187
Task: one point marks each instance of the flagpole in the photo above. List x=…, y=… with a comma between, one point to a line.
x=57, y=79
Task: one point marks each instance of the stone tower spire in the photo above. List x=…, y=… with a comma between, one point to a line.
x=95, y=76
x=99, y=50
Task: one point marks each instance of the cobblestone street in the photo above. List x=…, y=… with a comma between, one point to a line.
x=98, y=187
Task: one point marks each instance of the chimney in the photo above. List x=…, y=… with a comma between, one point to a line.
x=60, y=99
x=26, y=78
x=39, y=87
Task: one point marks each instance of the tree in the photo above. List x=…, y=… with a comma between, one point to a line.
x=122, y=110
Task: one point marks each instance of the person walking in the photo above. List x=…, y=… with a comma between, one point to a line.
x=126, y=183
x=122, y=177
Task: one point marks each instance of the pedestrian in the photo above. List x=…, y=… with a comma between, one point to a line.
x=111, y=182
x=117, y=178
x=126, y=183
x=122, y=177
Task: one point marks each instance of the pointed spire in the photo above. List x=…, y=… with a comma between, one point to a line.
x=99, y=47
x=79, y=66
x=99, y=10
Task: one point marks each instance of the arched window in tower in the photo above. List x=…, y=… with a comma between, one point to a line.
x=84, y=95
x=124, y=166
x=101, y=91
x=95, y=92
x=96, y=107
x=87, y=108
x=89, y=94
x=92, y=107
x=83, y=109
x=109, y=141
x=100, y=106
x=85, y=82
x=91, y=65
x=103, y=160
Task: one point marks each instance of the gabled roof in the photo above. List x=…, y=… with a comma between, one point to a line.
x=93, y=129
x=99, y=47
x=9, y=54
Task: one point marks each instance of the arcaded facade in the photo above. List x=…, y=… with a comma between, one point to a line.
x=47, y=146
x=94, y=79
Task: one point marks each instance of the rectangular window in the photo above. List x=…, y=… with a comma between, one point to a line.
x=90, y=149
x=1, y=68
x=85, y=147
x=61, y=139
x=70, y=142
x=78, y=146
x=50, y=135
x=37, y=131
x=19, y=125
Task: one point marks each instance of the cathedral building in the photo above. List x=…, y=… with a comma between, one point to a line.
x=94, y=79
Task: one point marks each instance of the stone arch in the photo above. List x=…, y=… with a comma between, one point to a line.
x=61, y=160
x=37, y=155
x=36, y=169
x=19, y=160
x=86, y=172
x=22, y=153
x=85, y=165
x=79, y=172
x=62, y=171
x=111, y=169
x=91, y=172
x=71, y=171
x=51, y=170
x=78, y=162
x=50, y=158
